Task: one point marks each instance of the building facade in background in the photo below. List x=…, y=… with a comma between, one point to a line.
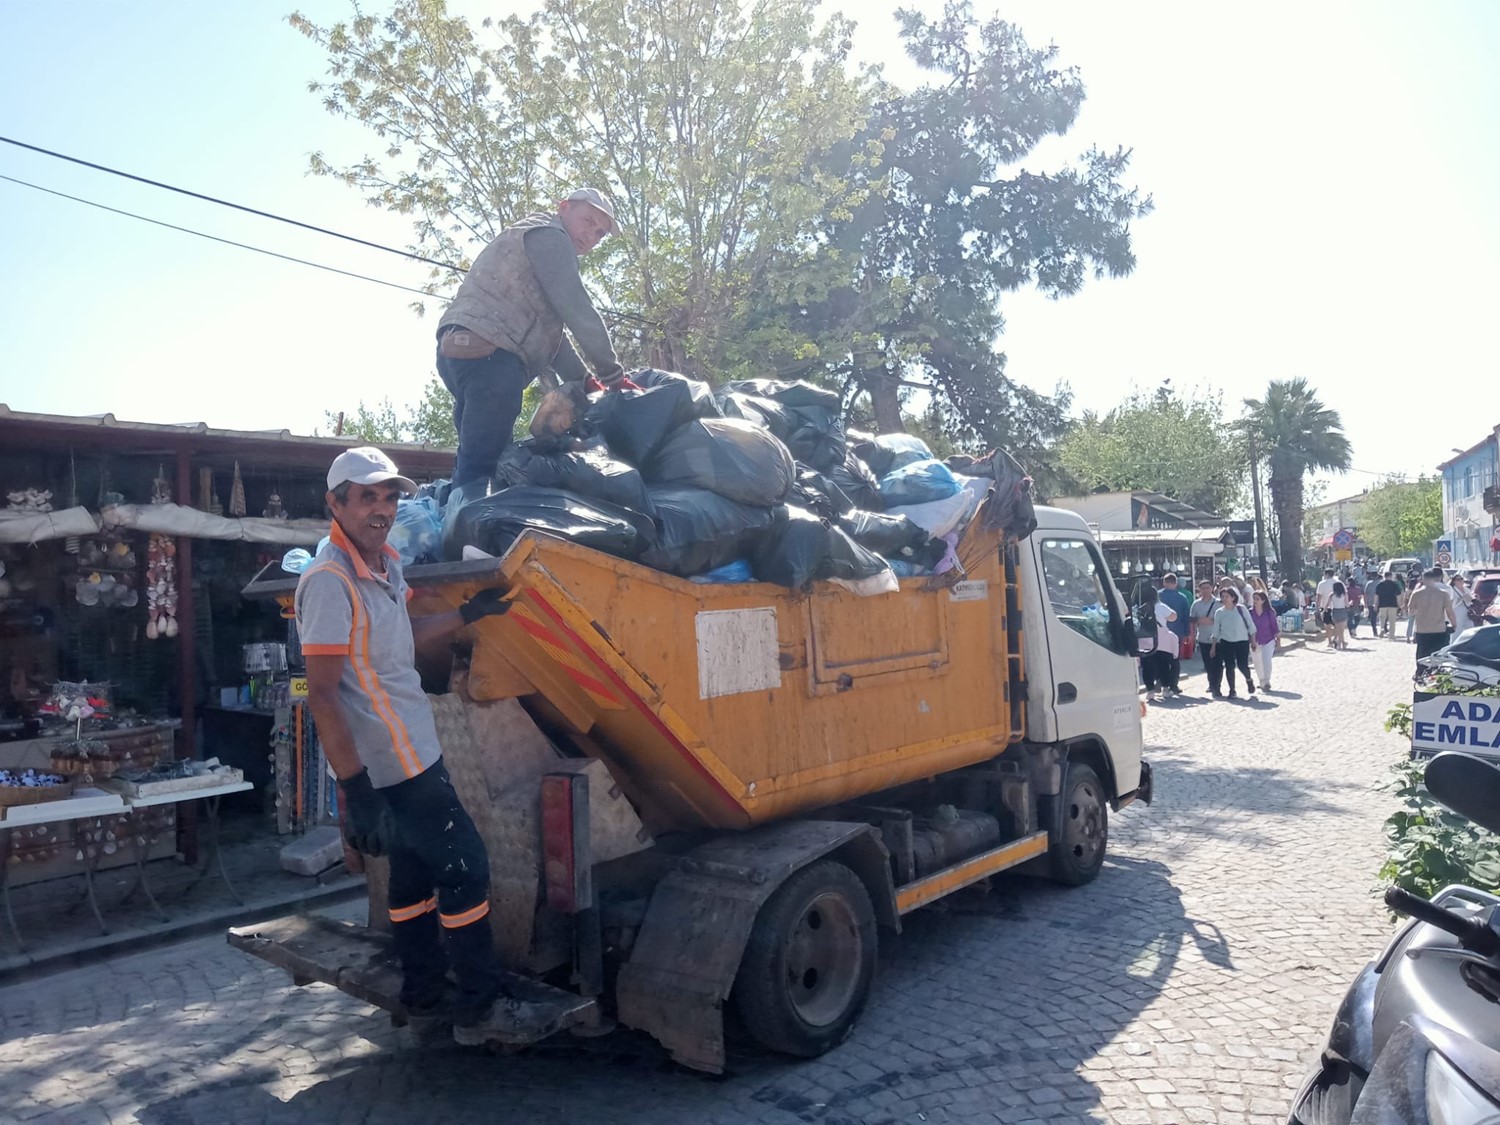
x=1471, y=501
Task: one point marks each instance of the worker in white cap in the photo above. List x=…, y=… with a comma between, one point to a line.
x=505, y=325
x=376, y=728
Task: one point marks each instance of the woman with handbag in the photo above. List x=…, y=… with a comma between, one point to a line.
x=1233, y=638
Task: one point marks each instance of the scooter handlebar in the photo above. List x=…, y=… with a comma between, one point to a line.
x=1471, y=933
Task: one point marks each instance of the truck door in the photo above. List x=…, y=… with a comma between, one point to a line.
x=1088, y=683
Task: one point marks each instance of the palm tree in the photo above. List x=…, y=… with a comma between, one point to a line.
x=1296, y=434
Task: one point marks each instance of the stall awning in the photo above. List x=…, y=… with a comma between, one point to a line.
x=1172, y=535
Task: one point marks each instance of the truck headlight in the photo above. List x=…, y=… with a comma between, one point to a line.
x=1453, y=1100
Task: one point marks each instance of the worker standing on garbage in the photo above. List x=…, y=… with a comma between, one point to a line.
x=505, y=325
x=376, y=728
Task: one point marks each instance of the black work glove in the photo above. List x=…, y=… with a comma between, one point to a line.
x=368, y=825
x=483, y=604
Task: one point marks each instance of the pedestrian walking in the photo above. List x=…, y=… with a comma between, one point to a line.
x=1202, y=614
x=376, y=728
x=1356, y=598
x=1372, y=603
x=1232, y=637
x=1430, y=608
x=1182, y=628
x=1321, y=596
x=1338, y=615
x=1459, y=590
x=1267, y=638
x=1388, y=597
x=505, y=326
x=1158, y=663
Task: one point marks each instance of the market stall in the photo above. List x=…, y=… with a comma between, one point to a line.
x=128, y=660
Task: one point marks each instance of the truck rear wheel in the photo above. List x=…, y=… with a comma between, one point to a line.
x=1078, y=827
x=809, y=962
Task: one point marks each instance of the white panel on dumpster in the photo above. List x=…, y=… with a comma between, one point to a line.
x=737, y=651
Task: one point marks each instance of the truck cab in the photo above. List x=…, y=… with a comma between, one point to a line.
x=1081, y=669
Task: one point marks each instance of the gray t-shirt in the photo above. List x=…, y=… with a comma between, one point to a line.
x=1203, y=607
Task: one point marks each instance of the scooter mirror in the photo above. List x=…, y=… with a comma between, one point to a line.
x=1468, y=785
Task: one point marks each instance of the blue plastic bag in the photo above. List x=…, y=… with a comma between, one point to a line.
x=417, y=534
x=737, y=571
x=919, y=483
x=297, y=559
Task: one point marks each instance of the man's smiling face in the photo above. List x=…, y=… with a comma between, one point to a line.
x=367, y=514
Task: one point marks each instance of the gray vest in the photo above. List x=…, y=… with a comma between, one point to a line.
x=502, y=301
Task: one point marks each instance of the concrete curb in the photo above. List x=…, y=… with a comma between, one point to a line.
x=42, y=962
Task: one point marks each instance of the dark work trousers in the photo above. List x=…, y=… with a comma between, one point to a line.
x=1236, y=654
x=1213, y=665
x=1165, y=668
x=1429, y=643
x=440, y=895
x=486, y=403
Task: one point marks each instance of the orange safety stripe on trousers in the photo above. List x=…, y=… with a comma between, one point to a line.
x=407, y=913
x=454, y=921
x=360, y=628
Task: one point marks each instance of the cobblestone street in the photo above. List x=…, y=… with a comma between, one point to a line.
x=1192, y=982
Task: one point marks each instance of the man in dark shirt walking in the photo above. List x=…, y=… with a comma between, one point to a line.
x=505, y=326
x=1388, y=594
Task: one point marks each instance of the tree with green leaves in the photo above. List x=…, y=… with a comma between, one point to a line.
x=1295, y=434
x=950, y=223
x=1162, y=441
x=705, y=122
x=782, y=213
x=1402, y=517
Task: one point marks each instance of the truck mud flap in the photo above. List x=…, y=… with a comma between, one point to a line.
x=360, y=961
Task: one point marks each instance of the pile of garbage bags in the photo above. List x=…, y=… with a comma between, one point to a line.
x=754, y=481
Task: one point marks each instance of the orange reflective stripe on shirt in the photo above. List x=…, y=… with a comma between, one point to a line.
x=359, y=658
x=454, y=921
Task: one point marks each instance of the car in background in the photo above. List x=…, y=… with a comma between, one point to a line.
x=1484, y=585
x=1403, y=567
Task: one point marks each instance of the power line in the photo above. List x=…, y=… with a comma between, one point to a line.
x=215, y=238
x=226, y=203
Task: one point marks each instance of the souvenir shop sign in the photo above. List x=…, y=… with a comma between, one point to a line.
x=1456, y=722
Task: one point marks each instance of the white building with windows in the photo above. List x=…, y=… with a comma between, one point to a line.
x=1471, y=501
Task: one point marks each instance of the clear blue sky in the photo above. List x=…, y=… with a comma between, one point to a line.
x=1323, y=177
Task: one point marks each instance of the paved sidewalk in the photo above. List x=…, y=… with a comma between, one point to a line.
x=60, y=931
x=1192, y=982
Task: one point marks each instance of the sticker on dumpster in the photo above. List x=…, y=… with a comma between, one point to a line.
x=975, y=591
x=737, y=652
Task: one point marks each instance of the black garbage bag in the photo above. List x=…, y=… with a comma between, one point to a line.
x=892, y=536
x=634, y=423
x=1011, y=509
x=761, y=411
x=818, y=494
x=810, y=419
x=794, y=550
x=701, y=530
x=848, y=560
x=590, y=471
x=858, y=482
x=885, y=453
x=733, y=458
x=700, y=394
x=493, y=522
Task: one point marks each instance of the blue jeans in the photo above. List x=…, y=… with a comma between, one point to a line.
x=486, y=403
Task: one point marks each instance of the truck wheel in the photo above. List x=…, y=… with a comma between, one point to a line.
x=807, y=967
x=1078, y=826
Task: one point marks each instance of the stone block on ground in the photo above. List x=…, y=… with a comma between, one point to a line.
x=313, y=852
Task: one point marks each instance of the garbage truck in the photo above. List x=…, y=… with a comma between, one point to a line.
x=703, y=797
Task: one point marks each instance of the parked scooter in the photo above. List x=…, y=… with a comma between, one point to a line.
x=1417, y=1036
x=1471, y=659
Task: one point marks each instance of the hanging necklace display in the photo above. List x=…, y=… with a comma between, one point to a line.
x=161, y=571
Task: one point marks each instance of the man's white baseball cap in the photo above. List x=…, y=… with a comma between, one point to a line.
x=595, y=198
x=367, y=465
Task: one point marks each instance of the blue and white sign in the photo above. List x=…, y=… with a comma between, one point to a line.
x=1456, y=722
x=1343, y=539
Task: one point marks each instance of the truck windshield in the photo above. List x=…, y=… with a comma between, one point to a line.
x=1077, y=590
